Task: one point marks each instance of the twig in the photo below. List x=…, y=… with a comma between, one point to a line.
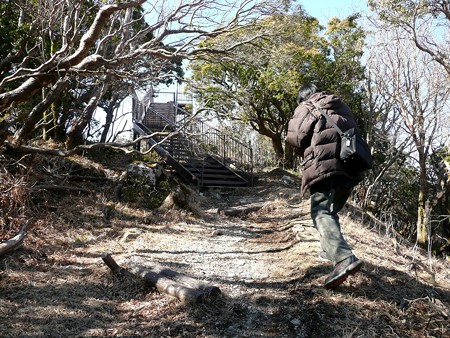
x=14, y=242
x=59, y=187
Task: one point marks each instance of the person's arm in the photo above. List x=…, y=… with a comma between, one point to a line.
x=300, y=129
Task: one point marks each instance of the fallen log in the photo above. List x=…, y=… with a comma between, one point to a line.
x=184, y=288
x=241, y=210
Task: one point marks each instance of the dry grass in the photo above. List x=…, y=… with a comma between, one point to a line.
x=265, y=263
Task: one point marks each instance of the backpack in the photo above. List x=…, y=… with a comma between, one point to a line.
x=355, y=152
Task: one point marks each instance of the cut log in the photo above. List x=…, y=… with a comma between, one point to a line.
x=184, y=288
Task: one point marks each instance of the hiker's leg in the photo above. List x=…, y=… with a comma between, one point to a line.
x=324, y=208
x=341, y=194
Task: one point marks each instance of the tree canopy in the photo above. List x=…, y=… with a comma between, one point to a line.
x=257, y=83
x=62, y=60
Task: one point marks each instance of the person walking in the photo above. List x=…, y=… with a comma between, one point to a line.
x=326, y=177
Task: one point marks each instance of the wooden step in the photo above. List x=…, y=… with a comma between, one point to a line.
x=218, y=183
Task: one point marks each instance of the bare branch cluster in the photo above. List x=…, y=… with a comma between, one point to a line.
x=427, y=23
x=181, y=28
x=116, y=46
x=409, y=97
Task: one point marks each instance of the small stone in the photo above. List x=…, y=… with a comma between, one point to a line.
x=217, y=233
x=296, y=322
x=288, y=180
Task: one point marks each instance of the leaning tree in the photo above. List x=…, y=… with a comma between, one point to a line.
x=65, y=58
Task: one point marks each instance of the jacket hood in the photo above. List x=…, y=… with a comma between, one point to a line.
x=325, y=100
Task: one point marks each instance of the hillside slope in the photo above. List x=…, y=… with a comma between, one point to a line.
x=265, y=264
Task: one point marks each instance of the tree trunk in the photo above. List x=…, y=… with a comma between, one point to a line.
x=50, y=122
x=75, y=136
x=38, y=111
x=113, y=103
x=277, y=145
x=289, y=156
x=423, y=211
x=60, y=132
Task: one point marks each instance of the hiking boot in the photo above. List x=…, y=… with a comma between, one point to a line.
x=323, y=256
x=342, y=270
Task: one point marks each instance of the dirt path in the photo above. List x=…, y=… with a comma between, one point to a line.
x=265, y=264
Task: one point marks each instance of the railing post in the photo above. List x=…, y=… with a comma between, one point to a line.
x=250, y=149
x=203, y=171
x=224, y=150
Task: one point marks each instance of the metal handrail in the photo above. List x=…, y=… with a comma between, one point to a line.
x=172, y=97
x=229, y=150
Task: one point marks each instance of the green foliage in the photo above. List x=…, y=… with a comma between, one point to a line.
x=10, y=31
x=397, y=10
x=257, y=83
x=344, y=72
x=395, y=199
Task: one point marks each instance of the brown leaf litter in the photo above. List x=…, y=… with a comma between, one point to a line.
x=265, y=264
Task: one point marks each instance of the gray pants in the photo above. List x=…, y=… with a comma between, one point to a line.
x=327, y=199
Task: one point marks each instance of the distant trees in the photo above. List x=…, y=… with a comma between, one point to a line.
x=426, y=23
x=409, y=94
x=257, y=83
x=61, y=60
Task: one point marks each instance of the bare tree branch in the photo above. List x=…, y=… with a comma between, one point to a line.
x=14, y=242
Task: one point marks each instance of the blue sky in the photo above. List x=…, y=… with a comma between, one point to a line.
x=324, y=10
